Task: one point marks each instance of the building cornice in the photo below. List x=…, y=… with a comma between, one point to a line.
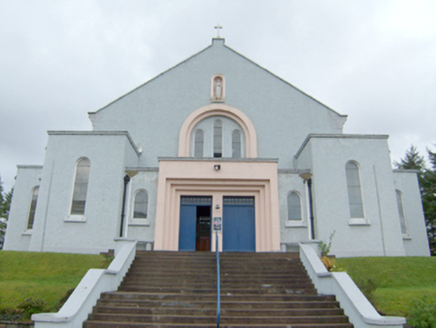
x=338, y=136
x=219, y=159
x=29, y=166
x=97, y=133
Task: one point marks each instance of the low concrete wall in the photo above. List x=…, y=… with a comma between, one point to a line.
x=360, y=311
x=86, y=294
x=7, y=324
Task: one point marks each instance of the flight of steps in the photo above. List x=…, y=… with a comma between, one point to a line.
x=178, y=289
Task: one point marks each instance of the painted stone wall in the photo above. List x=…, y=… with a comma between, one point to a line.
x=154, y=112
x=55, y=229
x=415, y=241
x=17, y=235
x=377, y=233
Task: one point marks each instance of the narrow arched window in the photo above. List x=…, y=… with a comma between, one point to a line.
x=354, y=190
x=80, y=187
x=141, y=205
x=294, y=206
x=32, y=208
x=236, y=144
x=401, y=212
x=218, y=139
x=199, y=143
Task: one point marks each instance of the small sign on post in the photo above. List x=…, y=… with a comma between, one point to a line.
x=217, y=224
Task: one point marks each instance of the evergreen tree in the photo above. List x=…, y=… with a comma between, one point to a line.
x=5, y=203
x=427, y=183
x=2, y=216
x=432, y=159
x=412, y=161
x=428, y=194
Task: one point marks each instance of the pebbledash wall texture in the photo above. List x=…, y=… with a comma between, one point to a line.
x=217, y=137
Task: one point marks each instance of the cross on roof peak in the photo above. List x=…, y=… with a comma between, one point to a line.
x=218, y=27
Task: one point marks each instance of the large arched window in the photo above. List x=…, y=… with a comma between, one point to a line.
x=80, y=187
x=218, y=139
x=401, y=212
x=199, y=143
x=236, y=144
x=32, y=209
x=354, y=190
x=294, y=206
x=140, y=208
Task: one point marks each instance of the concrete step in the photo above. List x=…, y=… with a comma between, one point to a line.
x=268, y=312
x=223, y=255
x=225, y=279
x=97, y=324
x=212, y=297
x=240, y=278
x=224, y=291
x=175, y=319
x=299, y=304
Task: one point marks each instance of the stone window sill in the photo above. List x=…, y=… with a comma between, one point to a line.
x=295, y=224
x=140, y=222
x=75, y=218
x=358, y=222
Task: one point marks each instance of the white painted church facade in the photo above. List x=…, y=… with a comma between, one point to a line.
x=217, y=136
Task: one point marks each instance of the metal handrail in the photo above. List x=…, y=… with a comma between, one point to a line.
x=218, y=285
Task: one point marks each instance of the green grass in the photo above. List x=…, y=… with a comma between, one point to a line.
x=46, y=276
x=399, y=280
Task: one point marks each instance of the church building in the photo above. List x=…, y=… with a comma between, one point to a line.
x=217, y=140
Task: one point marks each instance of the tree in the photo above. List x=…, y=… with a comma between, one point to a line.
x=412, y=161
x=5, y=204
x=428, y=194
x=427, y=183
x=432, y=159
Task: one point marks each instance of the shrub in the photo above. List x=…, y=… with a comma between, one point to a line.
x=328, y=262
x=31, y=306
x=325, y=248
x=422, y=313
x=64, y=298
x=368, y=287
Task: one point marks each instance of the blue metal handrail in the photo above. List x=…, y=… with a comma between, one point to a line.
x=218, y=287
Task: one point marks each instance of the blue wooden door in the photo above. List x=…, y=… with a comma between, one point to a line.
x=188, y=220
x=238, y=224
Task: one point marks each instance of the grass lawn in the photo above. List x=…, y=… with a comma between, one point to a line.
x=399, y=280
x=46, y=276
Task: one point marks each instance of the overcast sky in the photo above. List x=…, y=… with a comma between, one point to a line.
x=374, y=61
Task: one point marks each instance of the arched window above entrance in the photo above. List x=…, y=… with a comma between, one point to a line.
x=216, y=137
x=195, y=120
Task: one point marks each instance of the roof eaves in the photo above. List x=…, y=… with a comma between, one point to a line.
x=152, y=79
x=281, y=79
